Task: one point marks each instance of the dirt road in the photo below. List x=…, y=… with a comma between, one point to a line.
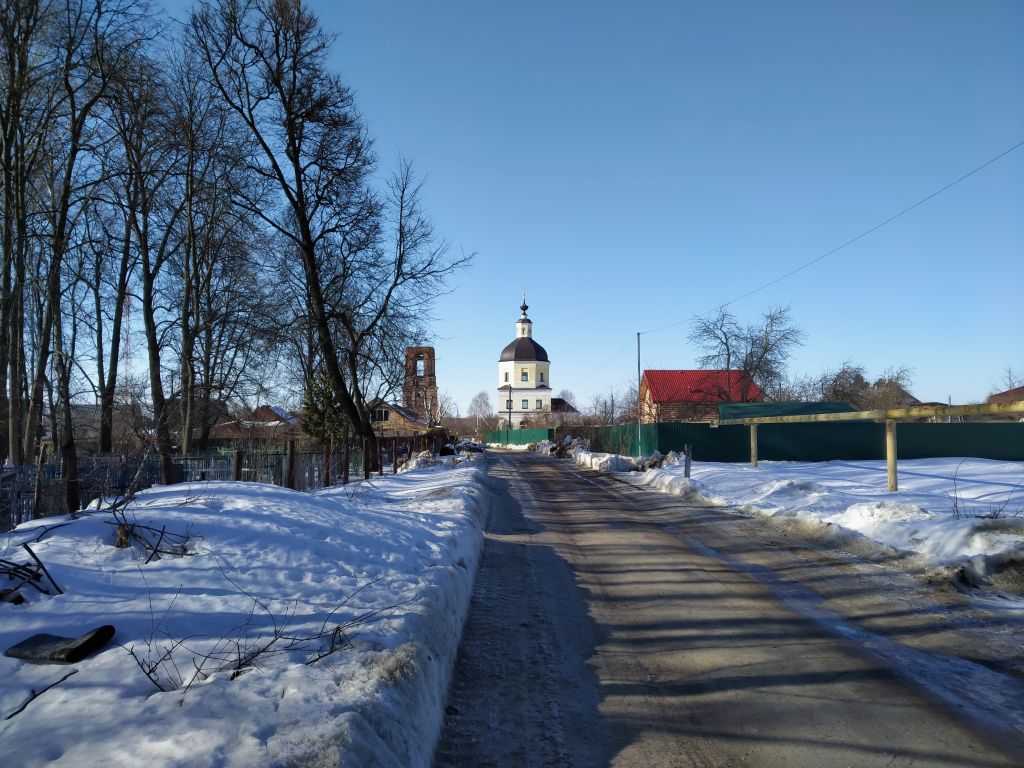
x=616, y=626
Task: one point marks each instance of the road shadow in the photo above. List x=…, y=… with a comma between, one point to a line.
x=522, y=691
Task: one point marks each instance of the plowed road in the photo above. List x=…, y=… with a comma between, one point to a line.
x=617, y=626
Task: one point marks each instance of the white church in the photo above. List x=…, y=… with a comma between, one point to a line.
x=524, y=378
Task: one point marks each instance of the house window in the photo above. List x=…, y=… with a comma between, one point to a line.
x=525, y=375
x=542, y=377
x=540, y=405
x=506, y=375
x=508, y=405
x=381, y=414
x=526, y=405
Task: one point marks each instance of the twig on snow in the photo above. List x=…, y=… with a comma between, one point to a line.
x=39, y=562
x=36, y=694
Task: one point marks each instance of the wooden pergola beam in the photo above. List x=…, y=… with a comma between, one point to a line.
x=889, y=416
x=896, y=414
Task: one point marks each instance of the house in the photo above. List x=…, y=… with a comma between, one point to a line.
x=563, y=412
x=1009, y=396
x=391, y=420
x=270, y=426
x=693, y=395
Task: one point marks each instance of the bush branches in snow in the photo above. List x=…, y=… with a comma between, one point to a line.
x=25, y=574
x=155, y=542
x=995, y=511
x=178, y=663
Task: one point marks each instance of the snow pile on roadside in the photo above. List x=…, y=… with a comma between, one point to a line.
x=605, y=462
x=270, y=573
x=426, y=459
x=949, y=511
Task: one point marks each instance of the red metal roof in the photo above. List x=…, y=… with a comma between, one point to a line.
x=700, y=387
x=1009, y=396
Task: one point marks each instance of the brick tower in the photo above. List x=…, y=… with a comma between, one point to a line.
x=419, y=392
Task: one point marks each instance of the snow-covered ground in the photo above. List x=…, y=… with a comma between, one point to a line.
x=297, y=629
x=321, y=629
x=954, y=512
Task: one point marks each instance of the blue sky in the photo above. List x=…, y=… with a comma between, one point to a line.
x=630, y=165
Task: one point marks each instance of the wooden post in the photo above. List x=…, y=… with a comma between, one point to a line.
x=236, y=466
x=289, y=465
x=366, y=462
x=753, y=445
x=380, y=456
x=345, y=459
x=687, y=459
x=394, y=455
x=890, y=453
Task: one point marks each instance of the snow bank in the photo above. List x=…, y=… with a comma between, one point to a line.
x=426, y=459
x=390, y=561
x=605, y=462
x=967, y=513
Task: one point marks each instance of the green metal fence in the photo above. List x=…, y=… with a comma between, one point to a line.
x=819, y=441
x=856, y=440
x=519, y=436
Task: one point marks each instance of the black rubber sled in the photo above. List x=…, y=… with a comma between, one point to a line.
x=51, y=649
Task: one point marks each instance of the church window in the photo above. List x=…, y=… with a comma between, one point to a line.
x=419, y=366
x=506, y=375
x=540, y=404
x=526, y=405
x=508, y=405
x=542, y=377
x=525, y=375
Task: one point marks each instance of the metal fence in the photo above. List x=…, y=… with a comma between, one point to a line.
x=518, y=436
x=111, y=476
x=826, y=441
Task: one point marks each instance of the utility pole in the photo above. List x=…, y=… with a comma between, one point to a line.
x=638, y=401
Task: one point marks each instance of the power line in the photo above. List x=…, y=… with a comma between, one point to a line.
x=825, y=255
x=853, y=240
x=605, y=363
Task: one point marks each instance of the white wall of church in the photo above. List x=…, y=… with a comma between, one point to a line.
x=536, y=374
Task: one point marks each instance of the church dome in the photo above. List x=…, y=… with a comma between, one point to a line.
x=524, y=350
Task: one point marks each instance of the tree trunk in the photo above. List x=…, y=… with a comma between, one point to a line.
x=109, y=383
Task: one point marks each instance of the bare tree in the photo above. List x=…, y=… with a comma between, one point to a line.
x=481, y=408
x=267, y=58
x=92, y=42
x=29, y=93
x=849, y=383
x=613, y=408
x=890, y=390
x=846, y=384
x=1011, y=380
x=757, y=353
x=113, y=265
x=152, y=158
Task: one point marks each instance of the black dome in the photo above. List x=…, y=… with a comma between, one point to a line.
x=524, y=349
